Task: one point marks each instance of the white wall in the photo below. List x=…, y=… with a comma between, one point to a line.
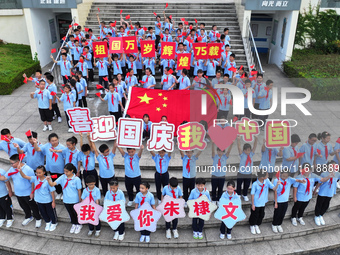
x=278, y=54
x=13, y=27
x=262, y=30
x=305, y=4
x=242, y=15
x=37, y=21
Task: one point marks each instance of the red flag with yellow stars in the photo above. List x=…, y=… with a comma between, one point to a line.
x=176, y=105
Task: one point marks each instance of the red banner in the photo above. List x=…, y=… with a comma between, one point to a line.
x=116, y=45
x=214, y=50
x=100, y=49
x=147, y=49
x=130, y=44
x=200, y=50
x=168, y=50
x=183, y=61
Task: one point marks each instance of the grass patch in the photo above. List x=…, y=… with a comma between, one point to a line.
x=15, y=59
x=315, y=71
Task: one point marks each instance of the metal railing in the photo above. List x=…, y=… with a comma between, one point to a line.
x=251, y=50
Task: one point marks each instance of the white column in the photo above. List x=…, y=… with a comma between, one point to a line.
x=30, y=31
x=290, y=32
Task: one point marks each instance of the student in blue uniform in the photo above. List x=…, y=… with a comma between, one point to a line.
x=53, y=88
x=65, y=67
x=54, y=160
x=113, y=100
x=83, y=95
x=23, y=189
x=148, y=80
x=259, y=198
x=146, y=126
x=246, y=95
x=115, y=194
x=44, y=196
x=325, y=148
x=268, y=159
x=69, y=101
x=102, y=66
x=219, y=171
x=197, y=223
x=8, y=146
x=245, y=171
x=309, y=148
x=258, y=86
x=117, y=64
x=168, y=81
x=183, y=80
x=213, y=34
x=290, y=161
x=106, y=165
x=93, y=193
x=144, y=196
x=70, y=153
x=33, y=158
x=211, y=65
x=6, y=193
x=266, y=98
x=162, y=160
x=174, y=191
x=132, y=170
x=223, y=108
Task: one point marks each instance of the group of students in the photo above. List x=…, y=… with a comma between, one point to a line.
x=38, y=185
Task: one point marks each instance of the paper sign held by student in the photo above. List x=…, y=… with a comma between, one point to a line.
x=114, y=213
x=214, y=50
x=168, y=50
x=183, y=61
x=116, y=45
x=100, y=49
x=104, y=128
x=171, y=208
x=161, y=137
x=88, y=212
x=201, y=208
x=130, y=133
x=147, y=49
x=79, y=120
x=247, y=128
x=191, y=136
x=230, y=212
x=130, y=44
x=145, y=218
x=200, y=50
x=277, y=134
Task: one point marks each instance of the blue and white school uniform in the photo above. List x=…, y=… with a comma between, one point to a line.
x=167, y=190
x=328, y=188
x=198, y=64
x=184, y=82
x=73, y=155
x=3, y=188
x=117, y=67
x=211, y=67
x=131, y=81
x=283, y=197
x=9, y=147
x=226, y=101
x=336, y=147
x=65, y=67
x=195, y=193
x=267, y=163
x=246, y=94
x=90, y=166
x=303, y=194
x=110, y=195
x=310, y=152
x=265, y=102
x=95, y=193
x=288, y=152
x=22, y=187
x=54, y=164
x=219, y=164
x=149, y=198
x=167, y=80
x=43, y=97
x=322, y=148
x=258, y=87
x=199, y=83
x=113, y=100
x=189, y=171
x=43, y=194
x=70, y=192
x=106, y=169
x=165, y=163
x=102, y=67
x=243, y=168
x=82, y=68
x=150, y=63
x=260, y=192
x=33, y=158
x=68, y=100
x=213, y=35
x=148, y=81
x=135, y=170
x=167, y=63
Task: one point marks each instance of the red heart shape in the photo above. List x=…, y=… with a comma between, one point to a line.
x=223, y=138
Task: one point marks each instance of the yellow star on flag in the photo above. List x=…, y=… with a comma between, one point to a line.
x=160, y=94
x=158, y=109
x=164, y=105
x=165, y=98
x=145, y=99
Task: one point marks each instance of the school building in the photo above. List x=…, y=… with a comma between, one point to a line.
x=268, y=24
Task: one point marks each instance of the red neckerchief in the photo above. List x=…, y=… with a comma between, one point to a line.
x=188, y=165
x=283, y=188
x=67, y=183
x=54, y=155
x=86, y=162
x=42, y=94
x=90, y=194
x=262, y=187
x=37, y=186
x=248, y=160
x=13, y=173
x=107, y=162
x=270, y=155
x=311, y=152
x=131, y=158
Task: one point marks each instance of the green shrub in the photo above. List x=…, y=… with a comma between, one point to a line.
x=15, y=59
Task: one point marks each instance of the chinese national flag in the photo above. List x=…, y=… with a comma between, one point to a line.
x=168, y=50
x=147, y=49
x=214, y=50
x=116, y=45
x=100, y=49
x=177, y=105
x=183, y=61
x=130, y=44
x=200, y=50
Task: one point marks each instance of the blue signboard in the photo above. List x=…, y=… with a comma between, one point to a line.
x=273, y=5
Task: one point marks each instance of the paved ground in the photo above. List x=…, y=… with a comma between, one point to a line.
x=19, y=113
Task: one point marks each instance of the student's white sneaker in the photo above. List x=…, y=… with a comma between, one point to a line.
x=130, y=203
x=73, y=228
x=218, y=204
x=97, y=234
x=61, y=196
x=90, y=233
x=300, y=220
x=175, y=232
x=195, y=235
x=338, y=185
x=121, y=237
x=9, y=223
x=58, y=196
x=252, y=230
x=274, y=228
x=294, y=222
x=53, y=227
x=54, y=117
x=322, y=221
x=26, y=221
x=185, y=205
x=317, y=220
x=246, y=199
x=168, y=233
x=49, y=128
x=229, y=236
x=2, y=221
x=257, y=229
x=280, y=229
x=159, y=201
x=115, y=237
x=38, y=223
x=142, y=238
x=207, y=140
x=48, y=226
x=78, y=228
x=70, y=130
x=147, y=239
x=200, y=235
x=222, y=236
x=59, y=120
x=45, y=128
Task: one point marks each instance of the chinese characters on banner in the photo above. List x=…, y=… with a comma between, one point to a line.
x=130, y=133
x=116, y=45
x=191, y=136
x=79, y=120
x=145, y=218
x=114, y=213
x=214, y=50
x=201, y=208
x=100, y=49
x=200, y=50
x=247, y=129
x=276, y=3
x=161, y=137
x=147, y=49
x=230, y=212
x=88, y=212
x=168, y=50
x=171, y=208
x=277, y=133
x=104, y=128
x=130, y=44
x=183, y=61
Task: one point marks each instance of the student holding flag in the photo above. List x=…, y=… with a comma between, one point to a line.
x=8, y=141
